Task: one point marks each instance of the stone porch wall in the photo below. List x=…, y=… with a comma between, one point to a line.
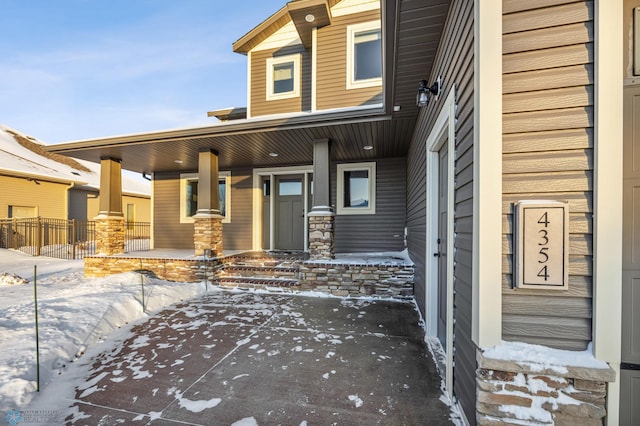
x=178, y=270
x=357, y=279
x=340, y=279
x=519, y=393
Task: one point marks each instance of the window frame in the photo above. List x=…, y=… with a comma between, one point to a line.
x=276, y=60
x=352, y=30
x=191, y=177
x=341, y=209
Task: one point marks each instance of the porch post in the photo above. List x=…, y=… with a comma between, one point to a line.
x=321, y=217
x=110, y=220
x=207, y=222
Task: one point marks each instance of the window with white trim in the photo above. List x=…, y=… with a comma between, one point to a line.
x=356, y=188
x=189, y=196
x=364, y=55
x=283, y=77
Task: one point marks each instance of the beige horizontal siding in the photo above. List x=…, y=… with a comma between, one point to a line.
x=542, y=100
x=548, y=154
x=553, y=78
x=237, y=234
x=554, y=57
x=49, y=198
x=556, y=161
x=579, y=286
x=510, y=6
x=553, y=119
x=579, y=138
x=554, y=15
x=548, y=37
x=258, y=91
x=168, y=232
x=331, y=65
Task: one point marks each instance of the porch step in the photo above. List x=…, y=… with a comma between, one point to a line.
x=262, y=269
x=266, y=259
x=253, y=282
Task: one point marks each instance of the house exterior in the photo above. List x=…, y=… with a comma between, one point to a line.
x=34, y=183
x=530, y=110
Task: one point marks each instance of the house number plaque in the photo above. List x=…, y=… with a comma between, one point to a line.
x=541, y=257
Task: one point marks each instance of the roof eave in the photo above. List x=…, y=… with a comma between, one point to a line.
x=248, y=41
x=227, y=128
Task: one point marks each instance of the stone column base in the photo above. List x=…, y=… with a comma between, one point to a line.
x=535, y=393
x=207, y=234
x=321, y=236
x=109, y=235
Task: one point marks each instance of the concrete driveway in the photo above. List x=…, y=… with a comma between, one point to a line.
x=249, y=358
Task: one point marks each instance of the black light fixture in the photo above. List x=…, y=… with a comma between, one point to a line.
x=425, y=92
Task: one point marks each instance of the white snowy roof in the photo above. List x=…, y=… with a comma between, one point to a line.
x=25, y=160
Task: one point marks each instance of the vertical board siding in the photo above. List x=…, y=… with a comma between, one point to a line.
x=170, y=233
x=548, y=154
x=332, y=65
x=454, y=62
x=384, y=230
x=259, y=103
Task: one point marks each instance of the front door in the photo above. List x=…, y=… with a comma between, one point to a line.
x=443, y=161
x=289, y=212
x=630, y=368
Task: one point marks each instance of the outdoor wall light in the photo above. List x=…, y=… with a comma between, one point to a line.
x=425, y=92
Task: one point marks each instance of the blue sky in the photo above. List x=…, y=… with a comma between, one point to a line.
x=81, y=69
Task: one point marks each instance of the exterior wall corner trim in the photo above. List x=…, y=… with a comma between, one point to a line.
x=487, y=179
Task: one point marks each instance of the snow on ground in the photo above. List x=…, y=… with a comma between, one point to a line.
x=74, y=313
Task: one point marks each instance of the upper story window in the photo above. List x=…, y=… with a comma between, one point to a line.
x=189, y=196
x=283, y=79
x=364, y=55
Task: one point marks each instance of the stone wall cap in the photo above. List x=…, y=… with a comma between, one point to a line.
x=541, y=360
x=108, y=217
x=319, y=213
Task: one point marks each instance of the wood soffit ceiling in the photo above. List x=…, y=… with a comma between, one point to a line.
x=417, y=29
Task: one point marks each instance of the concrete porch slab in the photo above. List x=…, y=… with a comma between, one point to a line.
x=279, y=359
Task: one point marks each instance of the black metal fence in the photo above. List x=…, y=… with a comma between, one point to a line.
x=64, y=239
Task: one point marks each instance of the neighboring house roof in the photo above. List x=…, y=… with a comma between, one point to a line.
x=25, y=156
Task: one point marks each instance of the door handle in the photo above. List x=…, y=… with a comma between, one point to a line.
x=438, y=254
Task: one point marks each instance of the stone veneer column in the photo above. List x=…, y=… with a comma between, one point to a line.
x=207, y=234
x=540, y=393
x=110, y=222
x=321, y=236
x=109, y=235
x=321, y=217
x=207, y=222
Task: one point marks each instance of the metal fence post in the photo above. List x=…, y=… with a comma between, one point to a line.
x=14, y=232
x=38, y=235
x=73, y=239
